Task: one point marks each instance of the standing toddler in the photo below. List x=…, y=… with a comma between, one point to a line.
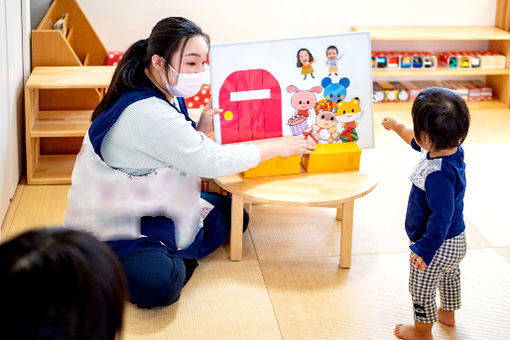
x=434, y=218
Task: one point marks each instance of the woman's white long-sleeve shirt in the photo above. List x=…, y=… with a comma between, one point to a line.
x=152, y=134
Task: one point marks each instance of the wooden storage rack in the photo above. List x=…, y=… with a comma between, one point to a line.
x=58, y=106
x=56, y=168
x=499, y=40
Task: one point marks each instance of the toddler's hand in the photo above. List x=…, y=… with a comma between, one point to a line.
x=389, y=123
x=419, y=264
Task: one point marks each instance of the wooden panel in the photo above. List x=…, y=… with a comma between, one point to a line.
x=51, y=48
x=406, y=106
x=60, y=145
x=67, y=77
x=61, y=123
x=440, y=71
x=54, y=169
x=434, y=32
x=74, y=99
x=503, y=15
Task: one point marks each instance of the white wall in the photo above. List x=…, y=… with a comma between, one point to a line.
x=11, y=99
x=121, y=22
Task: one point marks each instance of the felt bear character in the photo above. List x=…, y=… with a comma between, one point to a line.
x=335, y=91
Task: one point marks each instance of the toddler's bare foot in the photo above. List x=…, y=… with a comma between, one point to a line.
x=447, y=317
x=409, y=332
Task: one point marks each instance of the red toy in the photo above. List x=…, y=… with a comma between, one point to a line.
x=201, y=99
x=113, y=58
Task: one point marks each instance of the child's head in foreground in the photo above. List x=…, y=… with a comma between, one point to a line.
x=440, y=119
x=60, y=284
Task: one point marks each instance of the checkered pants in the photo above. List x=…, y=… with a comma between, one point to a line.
x=443, y=273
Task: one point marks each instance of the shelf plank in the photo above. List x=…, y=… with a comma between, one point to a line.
x=406, y=106
x=70, y=77
x=61, y=123
x=53, y=169
x=440, y=71
x=434, y=32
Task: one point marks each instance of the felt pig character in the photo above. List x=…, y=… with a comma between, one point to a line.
x=303, y=100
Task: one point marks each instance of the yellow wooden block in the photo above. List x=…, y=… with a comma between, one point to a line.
x=333, y=158
x=275, y=166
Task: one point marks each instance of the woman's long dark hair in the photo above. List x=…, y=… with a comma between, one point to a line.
x=165, y=39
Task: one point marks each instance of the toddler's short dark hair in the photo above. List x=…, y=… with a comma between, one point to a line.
x=60, y=284
x=442, y=116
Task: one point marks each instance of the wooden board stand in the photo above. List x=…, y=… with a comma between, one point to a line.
x=276, y=166
x=334, y=157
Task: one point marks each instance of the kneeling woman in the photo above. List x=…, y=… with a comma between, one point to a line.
x=136, y=179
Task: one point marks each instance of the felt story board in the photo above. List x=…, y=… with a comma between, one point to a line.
x=319, y=87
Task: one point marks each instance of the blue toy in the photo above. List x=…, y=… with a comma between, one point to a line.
x=335, y=91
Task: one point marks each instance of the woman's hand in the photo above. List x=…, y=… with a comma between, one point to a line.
x=285, y=147
x=389, y=123
x=295, y=145
x=205, y=123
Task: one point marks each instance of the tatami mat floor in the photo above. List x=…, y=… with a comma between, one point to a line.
x=288, y=285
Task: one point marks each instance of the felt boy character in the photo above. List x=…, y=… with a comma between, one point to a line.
x=333, y=58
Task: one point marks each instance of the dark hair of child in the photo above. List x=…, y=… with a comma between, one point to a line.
x=310, y=57
x=60, y=284
x=442, y=116
x=332, y=47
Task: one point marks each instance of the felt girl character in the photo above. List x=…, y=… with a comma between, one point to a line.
x=333, y=58
x=302, y=101
x=305, y=60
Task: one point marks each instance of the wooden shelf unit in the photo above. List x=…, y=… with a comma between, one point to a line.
x=57, y=125
x=78, y=45
x=499, y=41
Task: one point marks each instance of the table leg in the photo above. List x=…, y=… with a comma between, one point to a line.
x=346, y=234
x=236, y=228
x=339, y=212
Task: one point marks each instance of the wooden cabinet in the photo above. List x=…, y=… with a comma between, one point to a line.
x=55, y=167
x=499, y=41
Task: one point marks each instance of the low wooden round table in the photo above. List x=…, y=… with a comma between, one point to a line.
x=334, y=190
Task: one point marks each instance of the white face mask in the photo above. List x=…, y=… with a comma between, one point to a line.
x=188, y=84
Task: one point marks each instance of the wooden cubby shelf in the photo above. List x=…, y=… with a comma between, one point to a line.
x=41, y=124
x=440, y=71
x=67, y=82
x=499, y=41
x=61, y=123
x=434, y=32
